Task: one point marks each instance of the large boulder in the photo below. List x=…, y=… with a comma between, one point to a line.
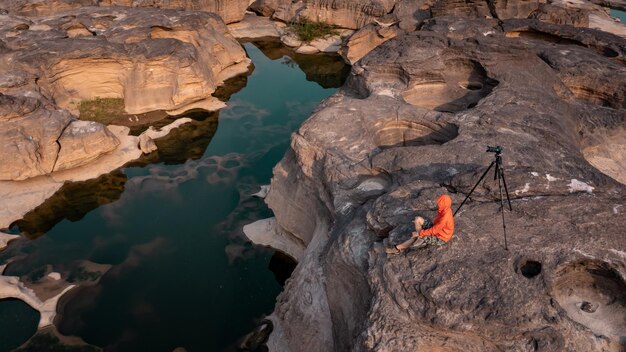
x=426, y=104
x=28, y=137
x=41, y=140
x=365, y=40
x=82, y=142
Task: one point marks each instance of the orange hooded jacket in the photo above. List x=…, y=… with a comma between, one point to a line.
x=443, y=227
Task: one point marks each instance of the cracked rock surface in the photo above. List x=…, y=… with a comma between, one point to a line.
x=413, y=120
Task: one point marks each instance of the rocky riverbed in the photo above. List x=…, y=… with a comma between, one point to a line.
x=432, y=84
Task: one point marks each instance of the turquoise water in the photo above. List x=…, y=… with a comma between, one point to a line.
x=619, y=14
x=182, y=273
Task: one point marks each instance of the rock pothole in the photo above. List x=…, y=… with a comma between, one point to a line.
x=409, y=133
x=606, y=151
x=530, y=268
x=459, y=86
x=594, y=295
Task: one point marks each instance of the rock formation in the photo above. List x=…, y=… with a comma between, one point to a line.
x=380, y=20
x=412, y=122
x=153, y=59
x=229, y=10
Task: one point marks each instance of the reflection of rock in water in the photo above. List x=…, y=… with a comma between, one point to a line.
x=72, y=202
x=282, y=265
x=327, y=70
x=160, y=118
x=49, y=339
x=233, y=85
x=189, y=141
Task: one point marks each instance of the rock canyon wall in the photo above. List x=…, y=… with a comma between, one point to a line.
x=412, y=122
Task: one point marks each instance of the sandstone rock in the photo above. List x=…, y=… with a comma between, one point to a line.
x=562, y=15
x=593, y=16
x=146, y=144
x=365, y=40
x=12, y=107
x=343, y=13
x=344, y=187
x=253, y=27
x=12, y=287
x=290, y=40
x=82, y=142
x=515, y=9
x=22, y=196
x=264, y=7
x=29, y=144
x=136, y=55
x=43, y=8
x=154, y=59
x=264, y=232
x=329, y=44
x=262, y=193
x=230, y=11
x=307, y=49
x=54, y=276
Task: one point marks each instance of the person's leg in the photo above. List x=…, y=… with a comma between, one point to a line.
x=406, y=244
x=419, y=222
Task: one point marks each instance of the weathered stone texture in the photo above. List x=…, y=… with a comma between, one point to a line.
x=413, y=122
x=154, y=59
x=229, y=10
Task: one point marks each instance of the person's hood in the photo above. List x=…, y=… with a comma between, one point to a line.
x=444, y=202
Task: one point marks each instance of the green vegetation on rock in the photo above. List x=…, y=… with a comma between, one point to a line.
x=103, y=110
x=308, y=30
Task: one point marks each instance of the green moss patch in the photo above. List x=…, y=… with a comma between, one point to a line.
x=103, y=110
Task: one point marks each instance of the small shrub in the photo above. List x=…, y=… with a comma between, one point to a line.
x=103, y=110
x=309, y=30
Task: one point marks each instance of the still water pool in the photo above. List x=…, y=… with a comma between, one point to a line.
x=166, y=231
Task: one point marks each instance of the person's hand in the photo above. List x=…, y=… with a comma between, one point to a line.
x=415, y=234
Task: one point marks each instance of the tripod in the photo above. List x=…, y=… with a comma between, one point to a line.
x=499, y=175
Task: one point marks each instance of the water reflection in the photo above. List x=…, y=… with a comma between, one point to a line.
x=329, y=71
x=72, y=202
x=179, y=271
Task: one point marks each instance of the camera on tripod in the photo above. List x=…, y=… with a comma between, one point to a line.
x=497, y=149
x=499, y=175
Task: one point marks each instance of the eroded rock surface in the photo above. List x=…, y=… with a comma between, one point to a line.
x=412, y=122
x=229, y=10
x=153, y=59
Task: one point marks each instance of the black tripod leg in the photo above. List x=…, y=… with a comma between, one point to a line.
x=476, y=185
x=502, y=212
x=506, y=189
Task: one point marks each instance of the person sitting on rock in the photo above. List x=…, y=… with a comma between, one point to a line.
x=440, y=233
